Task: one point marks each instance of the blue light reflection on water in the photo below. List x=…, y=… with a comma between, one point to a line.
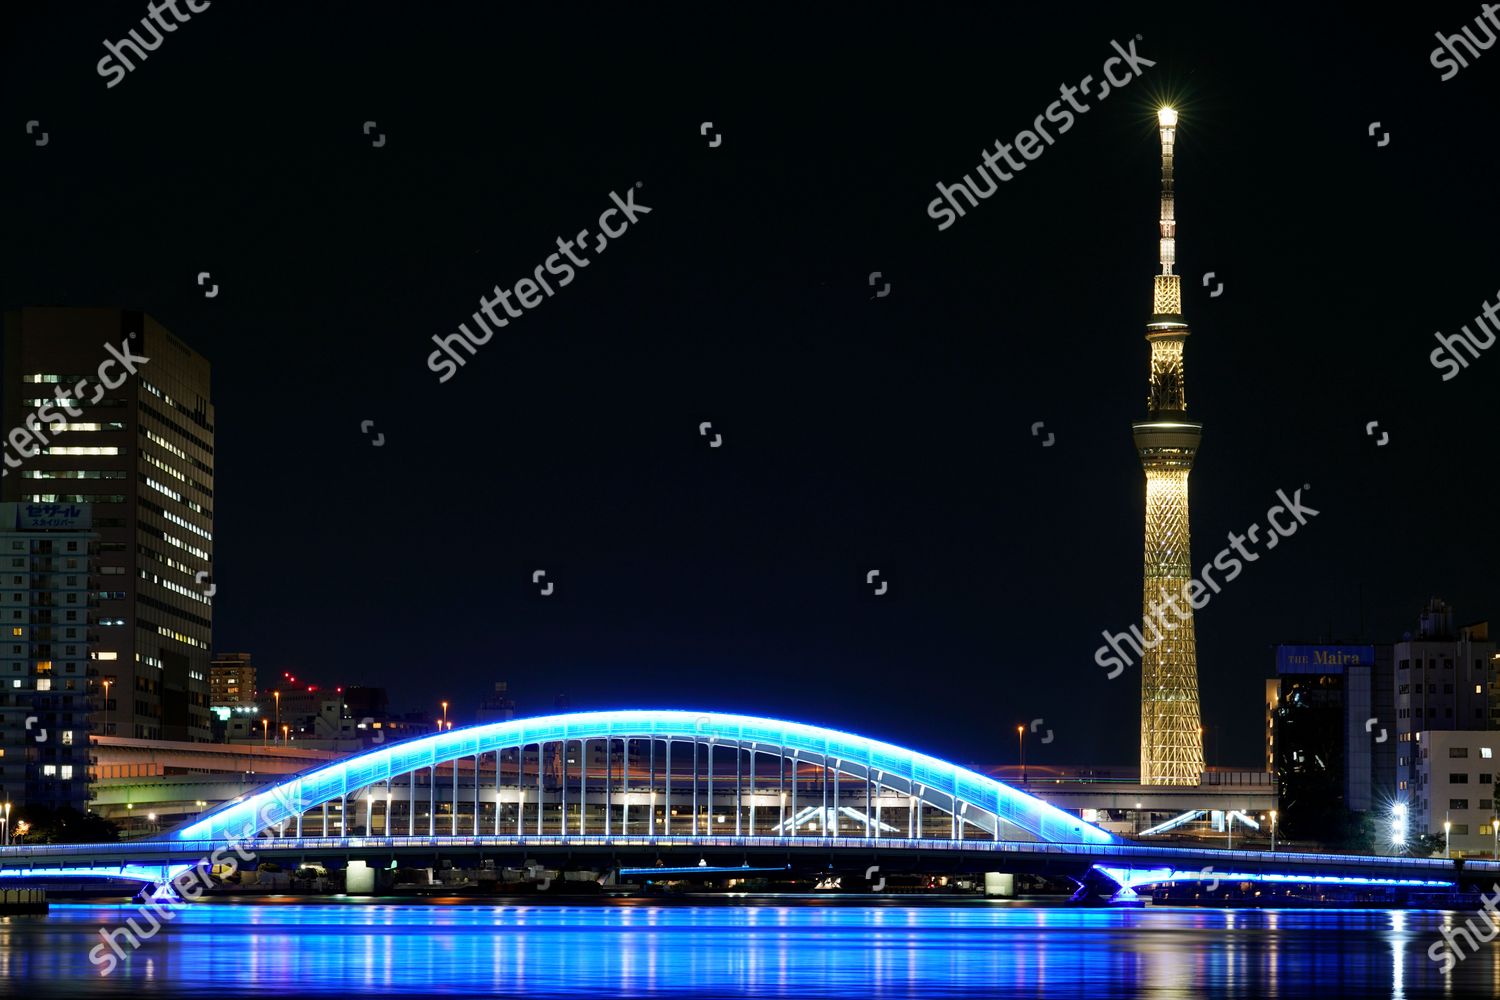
x=765, y=951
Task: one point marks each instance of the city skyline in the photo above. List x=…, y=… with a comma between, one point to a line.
x=860, y=430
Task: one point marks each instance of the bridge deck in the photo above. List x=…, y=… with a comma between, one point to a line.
x=637, y=851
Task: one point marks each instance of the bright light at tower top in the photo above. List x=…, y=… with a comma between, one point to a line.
x=1167, y=117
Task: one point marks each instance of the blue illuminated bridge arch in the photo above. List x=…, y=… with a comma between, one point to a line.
x=613, y=773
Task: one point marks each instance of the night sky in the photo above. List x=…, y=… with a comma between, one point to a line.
x=858, y=433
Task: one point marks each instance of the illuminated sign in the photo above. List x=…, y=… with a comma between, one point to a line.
x=1322, y=659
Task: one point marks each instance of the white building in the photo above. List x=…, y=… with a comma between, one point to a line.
x=1455, y=785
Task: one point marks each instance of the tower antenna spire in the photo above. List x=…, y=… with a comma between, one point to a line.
x=1166, y=120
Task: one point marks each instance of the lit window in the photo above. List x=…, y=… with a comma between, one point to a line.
x=67, y=772
x=44, y=684
x=75, y=450
x=17, y=631
x=67, y=737
x=106, y=655
x=49, y=770
x=1486, y=752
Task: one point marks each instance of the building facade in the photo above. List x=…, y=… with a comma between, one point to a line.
x=1324, y=713
x=123, y=422
x=231, y=683
x=1443, y=679
x=1455, y=800
x=48, y=587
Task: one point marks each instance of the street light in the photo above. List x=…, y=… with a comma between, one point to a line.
x=445, y=715
x=1447, y=839
x=106, y=707
x=1398, y=825
x=1021, y=742
x=265, y=732
x=7, y=823
x=277, y=695
x=1273, y=831
x=285, y=734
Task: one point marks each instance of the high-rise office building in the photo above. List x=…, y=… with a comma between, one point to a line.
x=48, y=560
x=138, y=448
x=1321, y=740
x=1171, y=726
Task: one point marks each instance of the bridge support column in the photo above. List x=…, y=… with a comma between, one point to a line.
x=666, y=811
x=823, y=773
x=453, y=803
x=651, y=789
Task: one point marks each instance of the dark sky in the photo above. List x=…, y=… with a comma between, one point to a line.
x=858, y=433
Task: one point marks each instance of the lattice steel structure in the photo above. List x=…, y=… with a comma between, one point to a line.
x=1171, y=726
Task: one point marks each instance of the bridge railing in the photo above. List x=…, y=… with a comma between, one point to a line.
x=1122, y=853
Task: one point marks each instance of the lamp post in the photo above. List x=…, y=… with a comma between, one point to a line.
x=265, y=732
x=1447, y=839
x=1273, y=831
x=7, y=822
x=277, y=695
x=1021, y=742
x=106, y=707
x=285, y=734
x=444, y=723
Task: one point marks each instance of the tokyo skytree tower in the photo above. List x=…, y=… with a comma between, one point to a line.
x=1171, y=727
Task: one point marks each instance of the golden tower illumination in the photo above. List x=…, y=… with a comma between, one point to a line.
x=1171, y=733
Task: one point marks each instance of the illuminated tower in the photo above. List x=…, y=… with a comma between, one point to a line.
x=1171, y=733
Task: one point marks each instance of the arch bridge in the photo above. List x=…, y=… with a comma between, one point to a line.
x=646, y=788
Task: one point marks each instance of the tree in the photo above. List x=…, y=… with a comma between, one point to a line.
x=66, y=825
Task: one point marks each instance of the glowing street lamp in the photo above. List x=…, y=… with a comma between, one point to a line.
x=265, y=732
x=277, y=695
x=1273, y=831
x=1398, y=825
x=1021, y=742
x=107, y=683
x=445, y=715
x=1447, y=839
